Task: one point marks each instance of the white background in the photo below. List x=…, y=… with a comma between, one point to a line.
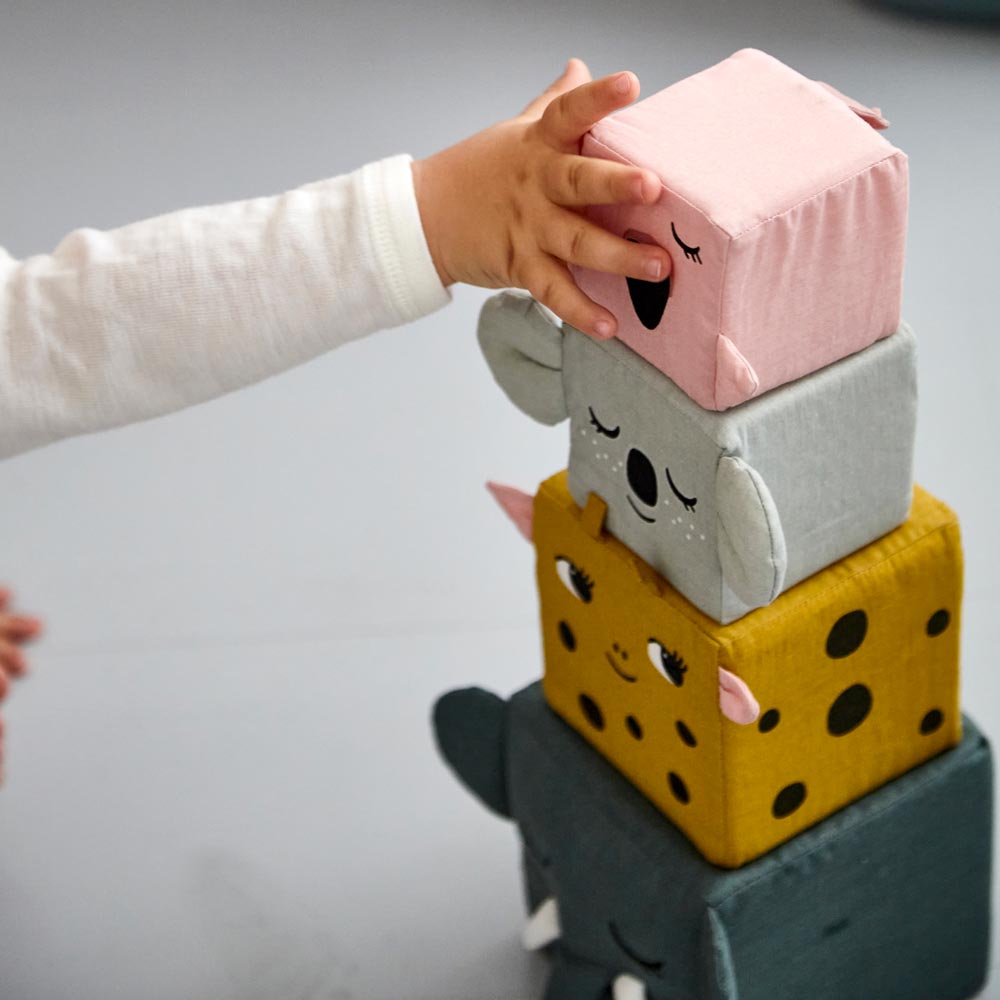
x=221, y=777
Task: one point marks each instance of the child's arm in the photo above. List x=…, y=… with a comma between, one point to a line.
x=118, y=326
x=113, y=327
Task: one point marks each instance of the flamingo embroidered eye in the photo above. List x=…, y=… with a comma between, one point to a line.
x=689, y=502
x=611, y=432
x=691, y=253
x=574, y=579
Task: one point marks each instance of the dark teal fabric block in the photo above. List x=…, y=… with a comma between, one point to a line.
x=887, y=899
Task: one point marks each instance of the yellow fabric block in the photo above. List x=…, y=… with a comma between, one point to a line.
x=855, y=670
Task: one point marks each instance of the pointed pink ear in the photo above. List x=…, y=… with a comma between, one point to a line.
x=736, y=699
x=519, y=506
x=873, y=116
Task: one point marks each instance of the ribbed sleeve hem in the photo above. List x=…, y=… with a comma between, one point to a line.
x=410, y=280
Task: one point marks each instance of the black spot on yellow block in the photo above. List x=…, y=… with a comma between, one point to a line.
x=849, y=710
x=592, y=711
x=788, y=800
x=678, y=787
x=931, y=722
x=632, y=723
x=685, y=734
x=847, y=634
x=938, y=622
x=769, y=720
x=566, y=634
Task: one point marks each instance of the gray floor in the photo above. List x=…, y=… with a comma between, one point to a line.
x=221, y=779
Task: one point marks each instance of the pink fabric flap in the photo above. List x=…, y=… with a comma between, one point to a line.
x=871, y=115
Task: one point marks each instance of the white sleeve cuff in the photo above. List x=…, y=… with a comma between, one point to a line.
x=411, y=281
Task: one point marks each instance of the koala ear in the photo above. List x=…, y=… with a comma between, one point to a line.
x=471, y=729
x=751, y=542
x=523, y=346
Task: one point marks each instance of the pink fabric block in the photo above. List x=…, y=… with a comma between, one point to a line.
x=791, y=209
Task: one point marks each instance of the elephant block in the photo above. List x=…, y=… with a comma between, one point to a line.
x=887, y=898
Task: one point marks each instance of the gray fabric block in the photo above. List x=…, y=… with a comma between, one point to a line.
x=887, y=899
x=732, y=507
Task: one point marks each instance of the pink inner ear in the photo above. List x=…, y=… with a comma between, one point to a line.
x=519, y=506
x=736, y=699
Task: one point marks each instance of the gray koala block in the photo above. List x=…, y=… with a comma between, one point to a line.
x=887, y=899
x=732, y=507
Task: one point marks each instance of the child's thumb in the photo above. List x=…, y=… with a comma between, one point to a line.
x=575, y=74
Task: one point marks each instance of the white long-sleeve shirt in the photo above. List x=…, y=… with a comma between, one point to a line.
x=117, y=326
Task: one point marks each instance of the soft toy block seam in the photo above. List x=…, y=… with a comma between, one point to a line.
x=638, y=367
x=625, y=159
x=683, y=609
x=819, y=194
x=723, y=285
x=540, y=749
x=731, y=642
x=915, y=787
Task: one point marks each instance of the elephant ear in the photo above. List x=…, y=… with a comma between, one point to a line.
x=471, y=729
x=751, y=542
x=523, y=345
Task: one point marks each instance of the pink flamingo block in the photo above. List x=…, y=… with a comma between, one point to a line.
x=784, y=213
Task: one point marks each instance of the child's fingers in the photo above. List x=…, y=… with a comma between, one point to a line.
x=574, y=75
x=19, y=628
x=4, y=683
x=572, y=114
x=5, y=598
x=12, y=660
x=575, y=240
x=585, y=180
x=551, y=284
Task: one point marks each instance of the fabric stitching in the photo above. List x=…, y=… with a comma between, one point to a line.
x=624, y=159
x=819, y=194
x=652, y=585
x=864, y=821
x=718, y=331
x=730, y=642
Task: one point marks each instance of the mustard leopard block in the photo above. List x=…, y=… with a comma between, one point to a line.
x=846, y=681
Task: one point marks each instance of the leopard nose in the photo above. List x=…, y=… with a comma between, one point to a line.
x=641, y=477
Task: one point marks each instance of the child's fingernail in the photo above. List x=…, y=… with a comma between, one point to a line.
x=649, y=187
x=603, y=328
x=623, y=83
x=653, y=268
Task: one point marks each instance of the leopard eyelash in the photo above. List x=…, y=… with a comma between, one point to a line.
x=600, y=428
x=691, y=253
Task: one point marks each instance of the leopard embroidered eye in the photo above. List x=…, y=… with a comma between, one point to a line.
x=574, y=579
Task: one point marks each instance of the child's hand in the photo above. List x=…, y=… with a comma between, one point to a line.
x=500, y=209
x=15, y=630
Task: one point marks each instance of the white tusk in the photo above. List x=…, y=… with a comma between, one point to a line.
x=543, y=927
x=627, y=987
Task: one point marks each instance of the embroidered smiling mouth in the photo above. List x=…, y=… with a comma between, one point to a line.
x=618, y=670
x=648, y=520
x=645, y=963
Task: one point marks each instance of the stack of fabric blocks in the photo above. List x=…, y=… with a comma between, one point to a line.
x=749, y=613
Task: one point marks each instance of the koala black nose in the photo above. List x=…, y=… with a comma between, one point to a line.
x=641, y=477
